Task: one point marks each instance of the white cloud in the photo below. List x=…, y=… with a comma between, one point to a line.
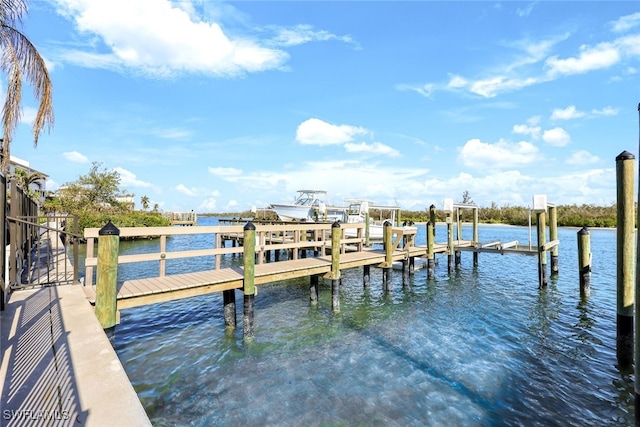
x=566, y=114
x=160, y=39
x=51, y=185
x=520, y=71
x=581, y=158
x=488, y=88
x=317, y=132
x=533, y=131
x=225, y=172
x=424, y=90
x=457, y=82
x=606, y=111
x=626, y=23
x=191, y=192
x=76, y=157
x=301, y=34
x=557, y=137
x=501, y=155
x=28, y=115
x=210, y=201
x=129, y=179
x=590, y=58
x=375, y=148
x=572, y=113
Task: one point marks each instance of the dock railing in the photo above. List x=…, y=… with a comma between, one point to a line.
x=269, y=237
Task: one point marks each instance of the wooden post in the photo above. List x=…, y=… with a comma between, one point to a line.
x=458, y=254
x=553, y=236
x=249, y=243
x=450, y=244
x=475, y=234
x=432, y=220
x=625, y=258
x=367, y=237
x=405, y=273
x=229, y=303
x=637, y=319
x=313, y=289
x=107, y=275
x=366, y=275
x=431, y=258
x=336, y=234
x=542, y=253
x=388, y=259
x=584, y=262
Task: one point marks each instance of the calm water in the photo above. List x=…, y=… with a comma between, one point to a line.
x=482, y=346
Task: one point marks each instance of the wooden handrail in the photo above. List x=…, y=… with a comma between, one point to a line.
x=289, y=236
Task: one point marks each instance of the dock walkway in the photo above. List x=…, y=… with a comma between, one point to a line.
x=58, y=367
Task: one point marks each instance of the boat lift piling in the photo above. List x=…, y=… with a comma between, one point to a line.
x=625, y=258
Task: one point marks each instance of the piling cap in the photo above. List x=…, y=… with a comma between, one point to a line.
x=109, y=230
x=249, y=226
x=583, y=231
x=625, y=155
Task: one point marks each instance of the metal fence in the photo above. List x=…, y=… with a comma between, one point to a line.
x=34, y=250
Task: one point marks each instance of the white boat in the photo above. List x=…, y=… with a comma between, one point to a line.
x=309, y=205
x=357, y=213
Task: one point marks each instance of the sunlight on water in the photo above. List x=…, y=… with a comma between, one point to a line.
x=480, y=347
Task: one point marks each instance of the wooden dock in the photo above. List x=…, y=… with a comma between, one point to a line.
x=182, y=218
x=292, y=238
x=312, y=250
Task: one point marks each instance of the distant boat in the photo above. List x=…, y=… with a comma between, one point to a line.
x=309, y=205
x=357, y=211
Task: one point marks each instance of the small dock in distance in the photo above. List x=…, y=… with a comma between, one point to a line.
x=182, y=218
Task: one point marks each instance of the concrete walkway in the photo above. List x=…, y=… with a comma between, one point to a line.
x=58, y=367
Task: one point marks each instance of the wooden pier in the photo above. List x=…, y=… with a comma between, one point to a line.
x=182, y=218
x=312, y=250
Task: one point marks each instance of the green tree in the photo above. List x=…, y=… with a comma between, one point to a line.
x=21, y=61
x=98, y=191
x=144, y=201
x=27, y=180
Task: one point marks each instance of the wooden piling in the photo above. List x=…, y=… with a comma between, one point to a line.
x=432, y=219
x=336, y=235
x=249, y=290
x=107, y=275
x=450, y=244
x=553, y=236
x=313, y=289
x=625, y=257
x=405, y=273
x=584, y=262
x=542, y=253
x=637, y=319
x=458, y=254
x=229, y=303
x=366, y=275
x=388, y=263
x=431, y=257
x=367, y=232
x=475, y=235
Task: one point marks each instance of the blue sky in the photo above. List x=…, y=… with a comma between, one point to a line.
x=221, y=106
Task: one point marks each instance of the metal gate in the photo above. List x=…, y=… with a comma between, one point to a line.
x=35, y=250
